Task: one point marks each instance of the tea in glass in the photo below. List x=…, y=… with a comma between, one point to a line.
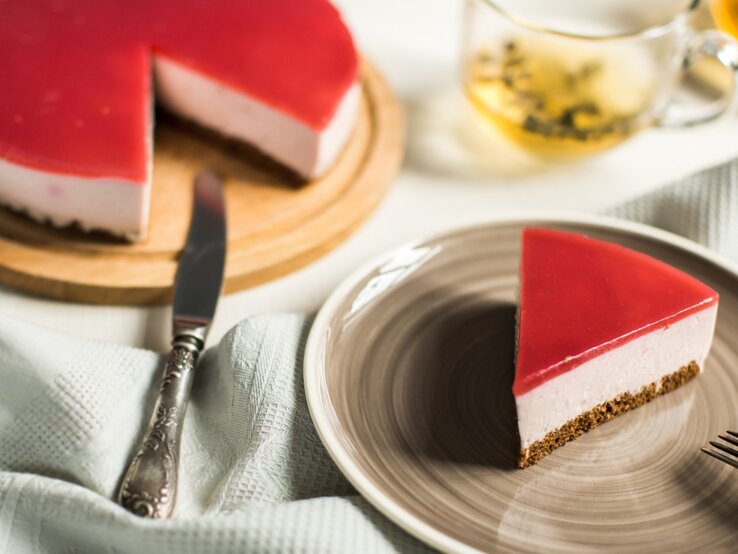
x=554, y=104
x=569, y=78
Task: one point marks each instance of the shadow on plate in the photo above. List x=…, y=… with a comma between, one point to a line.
x=465, y=412
x=703, y=480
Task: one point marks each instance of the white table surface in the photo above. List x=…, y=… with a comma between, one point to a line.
x=454, y=174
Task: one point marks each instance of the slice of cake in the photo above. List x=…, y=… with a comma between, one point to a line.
x=81, y=76
x=601, y=330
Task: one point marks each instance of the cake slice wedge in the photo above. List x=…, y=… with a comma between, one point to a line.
x=602, y=329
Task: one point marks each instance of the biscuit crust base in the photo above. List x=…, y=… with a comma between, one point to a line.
x=604, y=412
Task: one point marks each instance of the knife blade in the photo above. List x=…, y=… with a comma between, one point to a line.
x=149, y=486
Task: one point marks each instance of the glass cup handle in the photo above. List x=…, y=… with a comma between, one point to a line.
x=723, y=48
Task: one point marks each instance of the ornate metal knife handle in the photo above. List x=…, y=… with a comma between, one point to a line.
x=149, y=486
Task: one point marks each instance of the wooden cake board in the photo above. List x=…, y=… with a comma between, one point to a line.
x=275, y=225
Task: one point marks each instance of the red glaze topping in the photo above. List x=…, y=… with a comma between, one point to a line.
x=581, y=297
x=76, y=92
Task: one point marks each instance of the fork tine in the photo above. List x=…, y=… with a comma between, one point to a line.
x=728, y=449
x=721, y=457
x=731, y=440
x=732, y=433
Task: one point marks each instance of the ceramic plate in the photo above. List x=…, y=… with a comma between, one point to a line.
x=408, y=371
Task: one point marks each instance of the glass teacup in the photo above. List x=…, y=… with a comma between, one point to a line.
x=570, y=78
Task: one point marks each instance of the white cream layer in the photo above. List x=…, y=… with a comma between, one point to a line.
x=114, y=205
x=307, y=151
x=628, y=368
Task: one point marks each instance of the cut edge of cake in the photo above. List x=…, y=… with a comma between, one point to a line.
x=613, y=383
x=604, y=412
x=303, y=148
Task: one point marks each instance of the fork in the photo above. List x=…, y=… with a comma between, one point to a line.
x=732, y=438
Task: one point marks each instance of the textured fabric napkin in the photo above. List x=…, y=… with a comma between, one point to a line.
x=254, y=476
x=702, y=207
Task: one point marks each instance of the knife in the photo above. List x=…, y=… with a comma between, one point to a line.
x=149, y=486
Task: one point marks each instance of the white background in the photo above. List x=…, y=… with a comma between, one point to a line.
x=454, y=174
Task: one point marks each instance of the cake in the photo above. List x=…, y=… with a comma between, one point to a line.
x=602, y=329
x=76, y=109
